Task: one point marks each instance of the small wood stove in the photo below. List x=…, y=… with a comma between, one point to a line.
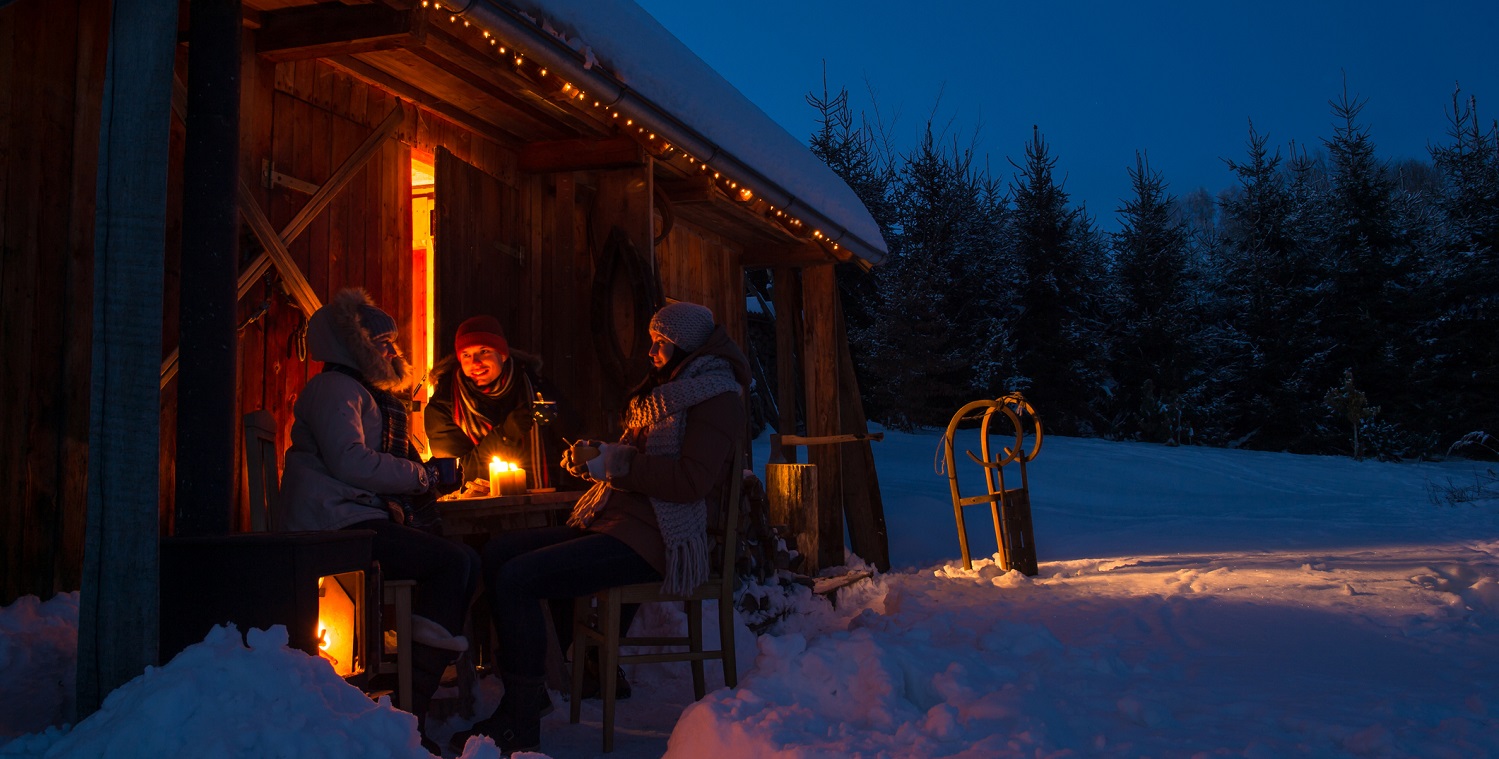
x=323, y=586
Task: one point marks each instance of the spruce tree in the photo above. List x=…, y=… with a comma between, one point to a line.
x=1264, y=284
x=1366, y=259
x=1459, y=373
x=936, y=295
x=1152, y=311
x=1055, y=268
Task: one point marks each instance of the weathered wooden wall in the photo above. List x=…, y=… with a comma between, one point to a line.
x=305, y=118
x=701, y=266
x=52, y=57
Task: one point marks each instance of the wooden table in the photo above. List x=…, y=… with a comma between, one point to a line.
x=492, y=514
x=472, y=521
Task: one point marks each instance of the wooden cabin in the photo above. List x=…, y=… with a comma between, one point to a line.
x=561, y=165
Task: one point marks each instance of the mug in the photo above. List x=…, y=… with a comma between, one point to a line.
x=449, y=471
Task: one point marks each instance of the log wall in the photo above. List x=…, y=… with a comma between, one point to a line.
x=52, y=57
x=701, y=266
x=304, y=118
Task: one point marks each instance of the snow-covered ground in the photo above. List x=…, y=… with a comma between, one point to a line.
x=1191, y=602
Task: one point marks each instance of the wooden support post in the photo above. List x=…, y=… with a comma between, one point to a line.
x=787, y=292
x=820, y=364
x=119, y=603
x=206, y=412
x=862, y=505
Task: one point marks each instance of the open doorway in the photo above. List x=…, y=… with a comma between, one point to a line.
x=423, y=212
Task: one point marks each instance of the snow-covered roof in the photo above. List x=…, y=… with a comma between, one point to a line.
x=659, y=70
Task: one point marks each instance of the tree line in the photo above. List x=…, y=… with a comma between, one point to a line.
x=1328, y=302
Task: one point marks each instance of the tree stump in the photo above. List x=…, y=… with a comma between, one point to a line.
x=792, y=492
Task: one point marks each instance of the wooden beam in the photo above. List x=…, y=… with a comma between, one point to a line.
x=793, y=256
x=119, y=602
x=693, y=189
x=581, y=155
x=346, y=172
x=275, y=245
x=325, y=29
x=857, y=437
x=301, y=292
x=787, y=292
x=863, y=507
x=395, y=85
x=820, y=378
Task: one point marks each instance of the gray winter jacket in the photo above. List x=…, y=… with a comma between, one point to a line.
x=334, y=469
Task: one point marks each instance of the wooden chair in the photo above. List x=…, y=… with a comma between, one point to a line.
x=263, y=476
x=609, y=638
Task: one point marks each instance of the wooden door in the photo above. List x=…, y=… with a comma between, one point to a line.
x=481, y=261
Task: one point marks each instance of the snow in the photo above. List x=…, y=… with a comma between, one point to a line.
x=1191, y=602
x=637, y=49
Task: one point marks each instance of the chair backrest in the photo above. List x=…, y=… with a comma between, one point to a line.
x=261, y=468
x=729, y=526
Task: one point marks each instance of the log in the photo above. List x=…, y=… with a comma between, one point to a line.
x=792, y=492
x=823, y=409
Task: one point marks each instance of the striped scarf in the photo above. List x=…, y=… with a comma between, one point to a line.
x=662, y=414
x=467, y=395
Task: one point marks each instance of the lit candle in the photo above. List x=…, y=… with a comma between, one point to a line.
x=506, y=478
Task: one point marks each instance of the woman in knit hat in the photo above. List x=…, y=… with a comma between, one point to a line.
x=643, y=520
x=486, y=406
x=353, y=465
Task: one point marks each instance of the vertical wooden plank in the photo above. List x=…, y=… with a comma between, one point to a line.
x=787, y=294
x=345, y=255
x=257, y=109
x=394, y=240
x=56, y=111
x=171, y=309
x=319, y=254
x=285, y=372
x=93, y=46
x=8, y=111
x=820, y=362
x=17, y=275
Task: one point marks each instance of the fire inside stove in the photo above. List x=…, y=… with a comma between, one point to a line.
x=340, y=623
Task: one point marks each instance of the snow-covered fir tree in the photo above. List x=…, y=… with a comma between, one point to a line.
x=938, y=295
x=1152, y=310
x=1057, y=268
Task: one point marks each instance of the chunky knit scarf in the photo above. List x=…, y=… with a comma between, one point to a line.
x=466, y=398
x=662, y=413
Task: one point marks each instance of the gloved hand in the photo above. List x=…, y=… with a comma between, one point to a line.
x=613, y=461
x=575, y=459
x=444, y=475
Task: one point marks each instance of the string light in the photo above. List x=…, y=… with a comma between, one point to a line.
x=729, y=186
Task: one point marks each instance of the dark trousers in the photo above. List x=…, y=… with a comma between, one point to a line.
x=446, y=571
x=525, y=567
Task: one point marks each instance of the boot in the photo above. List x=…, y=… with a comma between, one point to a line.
x=516, y=724
x=592, y=678
x=427, y=666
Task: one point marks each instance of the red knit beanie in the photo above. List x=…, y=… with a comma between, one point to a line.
x=482, y=330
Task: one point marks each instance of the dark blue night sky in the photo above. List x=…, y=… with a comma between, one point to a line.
x=1178, y=80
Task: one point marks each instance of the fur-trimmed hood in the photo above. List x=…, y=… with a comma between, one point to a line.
x=334, y=336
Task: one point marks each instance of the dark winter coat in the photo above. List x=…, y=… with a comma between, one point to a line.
x=509, y=440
